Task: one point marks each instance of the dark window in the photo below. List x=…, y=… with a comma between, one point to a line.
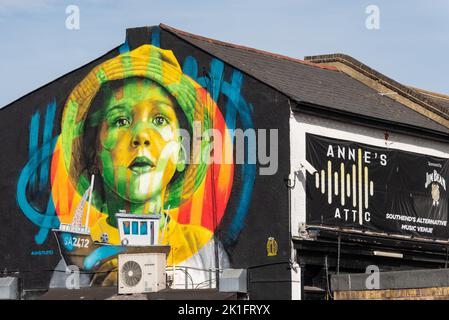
x=135, y=227
x=143, y=228
x=126, y=227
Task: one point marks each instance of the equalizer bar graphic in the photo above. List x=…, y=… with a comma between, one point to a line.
x=347, y=184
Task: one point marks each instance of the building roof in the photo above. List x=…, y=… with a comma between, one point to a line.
x=438, y=98
x=311, y=83
x=320, y=86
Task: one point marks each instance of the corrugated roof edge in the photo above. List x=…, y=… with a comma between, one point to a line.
x=232, y=45
x=407, y=92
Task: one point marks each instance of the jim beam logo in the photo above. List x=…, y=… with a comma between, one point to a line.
x=272, y=247
x=348, y=186
x=435, y=181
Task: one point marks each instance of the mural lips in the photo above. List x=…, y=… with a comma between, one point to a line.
x=141, y=165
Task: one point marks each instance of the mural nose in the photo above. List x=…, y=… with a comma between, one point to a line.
x=141, y=139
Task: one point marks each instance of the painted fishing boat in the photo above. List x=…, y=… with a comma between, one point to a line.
x=138, y=234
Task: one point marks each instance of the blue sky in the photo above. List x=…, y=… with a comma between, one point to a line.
x=411, y=45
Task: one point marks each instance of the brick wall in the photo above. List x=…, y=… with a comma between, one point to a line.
x=437, y=293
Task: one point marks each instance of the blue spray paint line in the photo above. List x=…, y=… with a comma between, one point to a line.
x=124, y=48
x=217, y=69
x=100, y=254
x=237, y=223
x=47, y=220
x=34, y=141
x=156, y=37
x=48, y=133
x=239, y=105
x=212, y=81
x=232, y=91
x=190, y=68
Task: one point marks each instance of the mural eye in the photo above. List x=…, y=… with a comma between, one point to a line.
x=122, y=122
x=160, y=121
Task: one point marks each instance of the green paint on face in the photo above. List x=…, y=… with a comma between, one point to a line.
x=111, y=140
x=121, y=180
x=107, y=168
x=139, y=142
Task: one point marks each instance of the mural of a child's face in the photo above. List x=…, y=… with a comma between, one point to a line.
x=139, y=143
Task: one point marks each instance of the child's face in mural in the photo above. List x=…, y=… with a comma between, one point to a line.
x=139, y=140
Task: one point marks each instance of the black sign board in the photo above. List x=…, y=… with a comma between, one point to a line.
x=369, y=188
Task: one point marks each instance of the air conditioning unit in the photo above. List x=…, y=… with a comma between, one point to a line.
x=141, y=273
x=9, y=288
x=233, y=280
